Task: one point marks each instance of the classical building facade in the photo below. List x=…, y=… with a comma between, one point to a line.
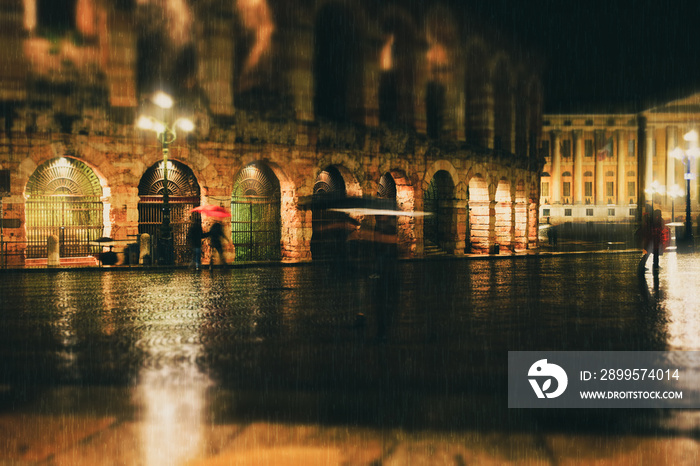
x=603, y=167
x=290, y=100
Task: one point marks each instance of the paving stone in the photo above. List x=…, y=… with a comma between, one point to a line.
x=38, y=437
x=623, y=451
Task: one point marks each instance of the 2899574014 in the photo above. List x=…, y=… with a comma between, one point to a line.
x=634, y=374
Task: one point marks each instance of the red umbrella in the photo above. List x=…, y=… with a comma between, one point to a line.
x=213, y=211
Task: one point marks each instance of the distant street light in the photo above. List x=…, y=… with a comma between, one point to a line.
x=158, y=120
x=674, y=192
x=655, y=188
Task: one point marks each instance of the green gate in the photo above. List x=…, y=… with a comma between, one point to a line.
x=255, y=214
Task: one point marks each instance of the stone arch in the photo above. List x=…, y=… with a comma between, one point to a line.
x=439, y=232
x=478, y=215
x=521, y=217
x=397, y=65
x=405, y=201
x=256, y=213
x=502, y=97
x=338, y=64
x=63, y=198
x=443, y=165
x=442, y=96
x=184, y=194
x=476, y=119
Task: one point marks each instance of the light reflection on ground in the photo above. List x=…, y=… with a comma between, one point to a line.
x=184, y=352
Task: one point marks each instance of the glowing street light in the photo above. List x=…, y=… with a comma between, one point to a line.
x=687, y=158
x=166, y=133
x=655, y=188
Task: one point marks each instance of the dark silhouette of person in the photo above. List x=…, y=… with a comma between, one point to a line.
x=216, y=237
x=658, y=235
x=644, y=233
x=194, y=238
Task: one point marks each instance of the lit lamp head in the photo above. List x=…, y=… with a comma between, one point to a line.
x=691, y=136
x=678, y=153
x=693, y=152
x=675, y=191
x=161, y=105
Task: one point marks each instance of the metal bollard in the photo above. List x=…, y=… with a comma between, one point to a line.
x=52, y=246
x=145, y=249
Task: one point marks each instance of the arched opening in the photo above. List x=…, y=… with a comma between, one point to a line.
x=256, y=69
x=475, y=91
x=166, y=55
x=502, y=108
x=520, y=217
x=338, y=66
x=442, y=40
x=330, y=229
x=63, y=199
x=387, y=225
x=478, y=217
x=255, y=214
x=521, y=120
x=184, y=195
x=434, y=108
x=437, y=226
x=397, y=78
x=504, y=219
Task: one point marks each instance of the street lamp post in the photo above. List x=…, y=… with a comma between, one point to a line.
x=687, y=158
x=166, y=134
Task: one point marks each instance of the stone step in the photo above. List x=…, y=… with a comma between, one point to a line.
x=65, y=262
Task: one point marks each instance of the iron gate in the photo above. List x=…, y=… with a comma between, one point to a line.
x=75, y=220
x=436, y=227
x=151, y=219
x=256, y=227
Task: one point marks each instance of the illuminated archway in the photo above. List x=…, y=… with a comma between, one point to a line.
x=504, y=219
x=184, y=195
x=478, y=216
x=63, y=199
x=255, y=214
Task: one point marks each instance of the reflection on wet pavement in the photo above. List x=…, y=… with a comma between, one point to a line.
x=313, y=364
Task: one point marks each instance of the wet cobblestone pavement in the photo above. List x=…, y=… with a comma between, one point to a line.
x=307, y=365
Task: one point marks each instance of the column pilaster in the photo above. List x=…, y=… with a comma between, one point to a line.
x=578, y=166
x=556, y=167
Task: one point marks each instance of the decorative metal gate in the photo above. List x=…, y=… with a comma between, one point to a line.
x=440, y=190
x=183, y=191
x=329, y=235
x=255, y=214
x=63, y=199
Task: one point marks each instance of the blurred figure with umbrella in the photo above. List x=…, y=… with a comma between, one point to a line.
x=216, y=233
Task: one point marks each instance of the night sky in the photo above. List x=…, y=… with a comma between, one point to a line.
x=606, y=56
